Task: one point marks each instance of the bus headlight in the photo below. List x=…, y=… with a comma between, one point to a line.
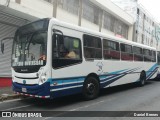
x=42, y=78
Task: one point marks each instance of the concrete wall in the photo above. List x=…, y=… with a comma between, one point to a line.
x=66, y=16
x=36, y=9
x=114, y=10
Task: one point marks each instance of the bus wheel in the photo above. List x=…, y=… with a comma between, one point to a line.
x=91, y=88
x=142, y=79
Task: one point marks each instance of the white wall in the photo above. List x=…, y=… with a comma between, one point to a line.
x=30, y=9
x=66, y=16
x=107, y=32
x=85, y=23
x=43, y=9
x=114, y=10
x=39, y=6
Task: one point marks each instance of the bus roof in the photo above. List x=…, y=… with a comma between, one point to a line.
x=99, y=34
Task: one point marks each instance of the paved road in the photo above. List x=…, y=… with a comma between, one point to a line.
x=121, y=98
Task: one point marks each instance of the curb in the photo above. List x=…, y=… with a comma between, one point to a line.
x=5, y=97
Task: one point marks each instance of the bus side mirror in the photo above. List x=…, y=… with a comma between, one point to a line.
x=2, y=48
x=2, y=43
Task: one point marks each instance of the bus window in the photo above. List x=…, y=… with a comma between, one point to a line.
x=65, y=51
x=147, y=55
x=153, y=59
x=92, y=47
x=138, y=56
x=158, y=57
x=126, y=52
x=111, y=50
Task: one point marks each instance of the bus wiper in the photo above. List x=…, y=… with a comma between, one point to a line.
x=29, y=42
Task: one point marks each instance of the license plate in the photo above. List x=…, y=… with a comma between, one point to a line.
x=24, y=90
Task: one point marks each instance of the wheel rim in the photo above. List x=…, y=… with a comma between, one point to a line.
x=91, y=88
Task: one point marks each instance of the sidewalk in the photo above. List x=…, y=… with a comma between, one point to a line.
x=6, y=93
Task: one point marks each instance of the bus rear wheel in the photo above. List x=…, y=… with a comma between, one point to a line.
x=142, y=79
x=91, y=88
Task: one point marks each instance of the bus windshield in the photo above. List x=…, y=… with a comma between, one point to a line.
x=30, y=46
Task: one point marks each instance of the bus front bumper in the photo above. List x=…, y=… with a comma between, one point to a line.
x=40, y=91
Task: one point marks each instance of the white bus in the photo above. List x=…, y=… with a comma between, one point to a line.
x=158, y=62
x=51, y=58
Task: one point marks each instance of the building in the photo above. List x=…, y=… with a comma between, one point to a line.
x=98, y=15
x=145, y=26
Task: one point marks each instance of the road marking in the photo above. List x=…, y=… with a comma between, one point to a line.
x=86, y=106
x=78, y=108
x=6, y=101
x=17, y=107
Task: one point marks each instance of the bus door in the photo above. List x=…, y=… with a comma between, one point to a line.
x=66, y=57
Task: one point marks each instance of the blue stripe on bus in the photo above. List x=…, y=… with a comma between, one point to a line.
x=68, y=87
x=73, y=79
x=63, y=83
x=65, y=80
x=152, y=73
x=81, y=79
x=151, y=70
x=113, y=79
x=118, y=74
x=104, y=79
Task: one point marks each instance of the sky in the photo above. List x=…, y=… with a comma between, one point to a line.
x=153, y=7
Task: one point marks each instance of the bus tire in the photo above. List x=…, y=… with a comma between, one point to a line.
x=142, y=79
x=91, y=88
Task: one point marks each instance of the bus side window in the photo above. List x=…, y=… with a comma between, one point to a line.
x=111, y=50
x=158, y=57
x=153, y=56
x=147, y=55
x=92, y=47
x=138, y=54
x=126, y=52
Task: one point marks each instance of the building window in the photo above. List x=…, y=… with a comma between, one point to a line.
x=121, y=29
x=112, y=24
x=109, y=22
x=90, y=12
x=125, y=31
x=71, y=6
